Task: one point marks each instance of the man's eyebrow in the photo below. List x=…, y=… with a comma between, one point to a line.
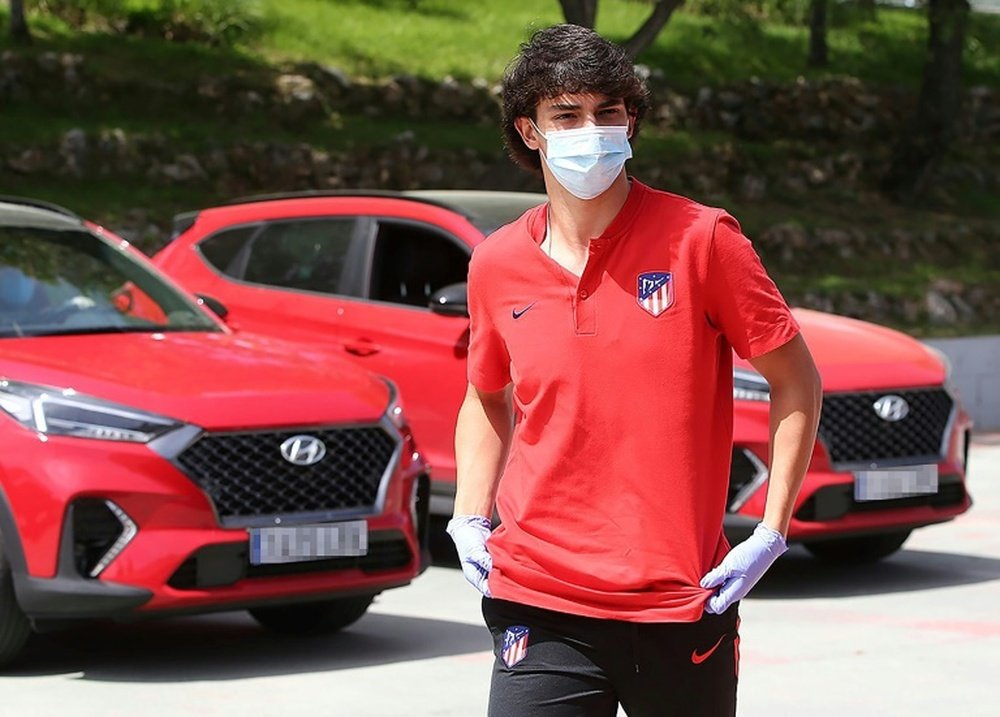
x=572, y=106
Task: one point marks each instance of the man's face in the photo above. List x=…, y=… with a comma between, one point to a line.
x=573, y=111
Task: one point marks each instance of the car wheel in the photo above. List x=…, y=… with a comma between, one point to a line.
x=866, y=549
x=313, y=618
x=14, y=626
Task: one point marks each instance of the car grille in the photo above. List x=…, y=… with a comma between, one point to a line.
x=854, y=433
x=246, y=476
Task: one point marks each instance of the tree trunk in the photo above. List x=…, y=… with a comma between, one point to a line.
x=929, y=133
x=19, y=31
x=646, y=34
x=817, y=33
x=580, y=12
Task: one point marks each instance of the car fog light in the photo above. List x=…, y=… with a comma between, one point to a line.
x=129, y=531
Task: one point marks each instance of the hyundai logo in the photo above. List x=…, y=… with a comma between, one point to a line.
x=891, y=408
x=303, y=450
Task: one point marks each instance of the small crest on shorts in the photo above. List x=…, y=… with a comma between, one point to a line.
x=515, y=645
x=655, y=291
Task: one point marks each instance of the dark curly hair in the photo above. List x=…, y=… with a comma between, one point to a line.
x=565, y=59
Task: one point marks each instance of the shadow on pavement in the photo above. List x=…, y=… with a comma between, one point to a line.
x=229, y=646
x=797, y=574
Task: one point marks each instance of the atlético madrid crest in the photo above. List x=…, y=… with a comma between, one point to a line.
x=655, y=291
x=515, y=645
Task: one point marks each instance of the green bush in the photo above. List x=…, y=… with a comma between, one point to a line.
x=211, y=22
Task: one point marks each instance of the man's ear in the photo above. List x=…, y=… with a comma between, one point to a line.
x=529, y=135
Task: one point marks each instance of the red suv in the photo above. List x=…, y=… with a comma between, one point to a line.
x=154, y=461
x=381, y=277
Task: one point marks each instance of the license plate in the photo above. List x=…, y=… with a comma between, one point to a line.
x=295, y=543
x=889, y=483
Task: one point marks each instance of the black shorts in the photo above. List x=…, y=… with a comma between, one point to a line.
x=551, y=664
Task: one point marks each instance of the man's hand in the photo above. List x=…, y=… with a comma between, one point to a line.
x=469, y=533
x=742, y=568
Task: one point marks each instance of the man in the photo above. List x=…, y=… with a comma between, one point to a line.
x=600, y=389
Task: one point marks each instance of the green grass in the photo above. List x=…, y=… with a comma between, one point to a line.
x=380, y=38
x=435, y=38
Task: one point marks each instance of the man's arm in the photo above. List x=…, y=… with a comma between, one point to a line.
x=796, y=398
x=482, y=437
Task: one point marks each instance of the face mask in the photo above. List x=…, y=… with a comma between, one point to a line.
x=586, y=161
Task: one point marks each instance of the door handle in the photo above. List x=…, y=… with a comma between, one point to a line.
x=361, y=347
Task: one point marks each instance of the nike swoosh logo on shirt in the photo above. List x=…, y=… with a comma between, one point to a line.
x=698, y=659
x=518, y=314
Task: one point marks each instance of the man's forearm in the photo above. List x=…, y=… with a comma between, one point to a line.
x=796, y=400
x=482, y=437
x=794, y=416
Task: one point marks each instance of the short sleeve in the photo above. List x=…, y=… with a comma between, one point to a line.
x=743, y=301
x=489, y=363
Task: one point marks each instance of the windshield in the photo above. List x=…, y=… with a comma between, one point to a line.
x=71, y=282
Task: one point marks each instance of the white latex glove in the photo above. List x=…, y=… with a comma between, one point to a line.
x=469, y=533
x=742, y=568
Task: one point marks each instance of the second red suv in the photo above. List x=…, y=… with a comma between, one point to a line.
x=381, y=277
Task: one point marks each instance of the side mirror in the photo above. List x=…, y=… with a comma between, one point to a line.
x=451, y=300
x=214, y=305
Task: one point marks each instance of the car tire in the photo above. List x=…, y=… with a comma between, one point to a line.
x=14, y=626
x=855, y=551
x=313, y=618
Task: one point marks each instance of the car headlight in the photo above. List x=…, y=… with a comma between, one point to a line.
x=750, y=386
x=64, y=412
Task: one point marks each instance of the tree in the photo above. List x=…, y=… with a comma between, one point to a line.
x=580, y=12
x=19, y=31
x=584, y=12
x=928, y=134
x=817, y=33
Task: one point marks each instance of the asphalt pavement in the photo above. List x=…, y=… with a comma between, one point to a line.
x=915, y=635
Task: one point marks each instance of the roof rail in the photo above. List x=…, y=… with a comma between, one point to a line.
x=321, y=193
x=39, y=204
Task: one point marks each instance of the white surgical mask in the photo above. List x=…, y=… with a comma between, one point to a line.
x=587, y=160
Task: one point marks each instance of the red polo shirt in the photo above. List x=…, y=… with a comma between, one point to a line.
x=614, y=491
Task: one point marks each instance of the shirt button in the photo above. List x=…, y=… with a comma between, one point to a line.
x=584, y=294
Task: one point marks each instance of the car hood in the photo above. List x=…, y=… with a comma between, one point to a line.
x=213, y=380
x=854, y=355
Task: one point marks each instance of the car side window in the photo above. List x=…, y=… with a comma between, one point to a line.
x=223, y=250
x=311, y=254
x=412, y=261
